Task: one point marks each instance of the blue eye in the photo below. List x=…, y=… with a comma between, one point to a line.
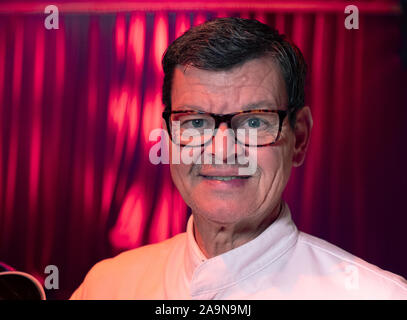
x=197, y=123
x=254, y=123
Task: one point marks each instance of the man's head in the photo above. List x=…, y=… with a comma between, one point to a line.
x=225, y=43
x=226, y=66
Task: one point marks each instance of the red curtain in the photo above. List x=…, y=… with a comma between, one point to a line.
x=78, y=105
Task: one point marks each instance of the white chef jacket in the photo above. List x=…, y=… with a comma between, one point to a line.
x=280, y=263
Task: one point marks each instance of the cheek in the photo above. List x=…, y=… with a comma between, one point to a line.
x=275, y=167
x=179, y=174
x=183, y=177
x=179, y=171
x=270, y=165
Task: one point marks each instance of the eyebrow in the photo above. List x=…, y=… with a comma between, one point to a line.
x=264, y=104
x=189, y=107
x=260, y=105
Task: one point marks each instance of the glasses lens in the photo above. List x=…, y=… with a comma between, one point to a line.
x=256, y=128
x=192, y=129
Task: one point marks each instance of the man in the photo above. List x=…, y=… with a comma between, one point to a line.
x=223, y=76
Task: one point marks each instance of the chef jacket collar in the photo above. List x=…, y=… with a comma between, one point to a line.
x=219, y=272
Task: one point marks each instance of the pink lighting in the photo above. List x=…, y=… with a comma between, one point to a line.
x=182, y=24
x=160, y=39
x=132, y=218
x=120, y=37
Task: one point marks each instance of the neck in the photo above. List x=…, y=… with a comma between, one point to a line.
x=215, y=238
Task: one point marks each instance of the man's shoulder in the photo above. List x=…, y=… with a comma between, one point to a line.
x=141, y=256
x=110, y=277
x=335, y=260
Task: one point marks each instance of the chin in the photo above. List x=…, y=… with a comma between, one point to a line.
x=222, y=211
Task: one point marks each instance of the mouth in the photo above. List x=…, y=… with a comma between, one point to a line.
x=224, y=178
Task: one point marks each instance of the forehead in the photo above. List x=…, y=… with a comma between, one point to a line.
x=257, y=80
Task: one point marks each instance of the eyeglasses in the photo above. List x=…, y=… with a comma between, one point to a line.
x=258, y=128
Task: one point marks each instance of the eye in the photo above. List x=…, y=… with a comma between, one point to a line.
x=197, y=123
x=194, y=123
x=254, y=123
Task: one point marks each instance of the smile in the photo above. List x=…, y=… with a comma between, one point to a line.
x=222, y=178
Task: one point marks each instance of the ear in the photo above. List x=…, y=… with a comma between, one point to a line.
x=302, y=132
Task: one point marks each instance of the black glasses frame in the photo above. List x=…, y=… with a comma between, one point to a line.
x=226, y=118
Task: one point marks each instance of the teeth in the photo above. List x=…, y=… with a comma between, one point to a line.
x=225, y=178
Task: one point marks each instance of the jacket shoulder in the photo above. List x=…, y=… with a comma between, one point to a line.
x=358, y=276
x=111, y=277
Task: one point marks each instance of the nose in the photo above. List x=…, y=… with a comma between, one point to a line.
x=223, y=147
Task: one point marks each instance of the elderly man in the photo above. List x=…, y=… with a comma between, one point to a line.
x=225, y=80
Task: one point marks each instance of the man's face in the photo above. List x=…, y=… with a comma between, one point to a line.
x=259, y=83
